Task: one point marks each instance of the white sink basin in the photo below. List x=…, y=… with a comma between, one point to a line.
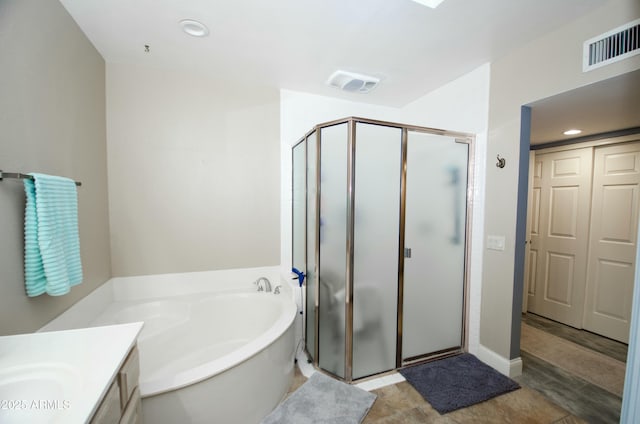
x=60, y=377
x=38, y=392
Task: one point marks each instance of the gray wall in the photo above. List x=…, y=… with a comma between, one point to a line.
x=52, y=120
x=547, y=66
x=193, y=171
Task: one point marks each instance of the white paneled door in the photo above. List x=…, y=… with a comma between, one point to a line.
x=559, y=232
x=612, y=243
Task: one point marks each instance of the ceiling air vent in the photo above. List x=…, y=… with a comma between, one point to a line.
x=355, y=83
x=612, y=46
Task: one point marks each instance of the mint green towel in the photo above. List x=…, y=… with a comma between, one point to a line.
x=51, y=240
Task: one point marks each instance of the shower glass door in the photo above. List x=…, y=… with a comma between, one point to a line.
x=434, y=263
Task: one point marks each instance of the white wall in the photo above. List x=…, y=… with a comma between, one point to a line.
x=193, y=172
x=52, y=120
x=461, y=105
x=547, y=66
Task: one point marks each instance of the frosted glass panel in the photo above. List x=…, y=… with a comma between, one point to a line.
x=333, y=238
x=435, y=233
x=375, y=263
x=312, y=270
x=298, y=210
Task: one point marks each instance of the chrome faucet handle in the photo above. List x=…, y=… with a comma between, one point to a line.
x=277, y=290
x=257, y=283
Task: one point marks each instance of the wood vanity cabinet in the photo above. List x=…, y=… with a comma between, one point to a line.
x=122, y=403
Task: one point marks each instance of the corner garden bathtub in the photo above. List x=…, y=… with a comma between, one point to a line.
x=221, y=356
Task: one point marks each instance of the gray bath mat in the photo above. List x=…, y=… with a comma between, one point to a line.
x=323, y=400
x=457, y=382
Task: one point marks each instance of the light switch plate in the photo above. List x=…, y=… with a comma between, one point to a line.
x=495, y=243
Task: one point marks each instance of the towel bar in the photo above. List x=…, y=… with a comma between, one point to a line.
x=21, y=176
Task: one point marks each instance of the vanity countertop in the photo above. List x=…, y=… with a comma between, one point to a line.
x=60, y=376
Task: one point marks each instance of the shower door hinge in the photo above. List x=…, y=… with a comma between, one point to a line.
x=407, y=252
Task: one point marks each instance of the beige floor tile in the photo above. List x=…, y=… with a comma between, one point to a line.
x=434, y=416
x=390, y=400
x=412, y=396
x=298, y=379
x=570, y=419
x=413, y=416
x=519, y=407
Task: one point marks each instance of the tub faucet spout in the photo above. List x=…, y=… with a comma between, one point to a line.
x=267, y=284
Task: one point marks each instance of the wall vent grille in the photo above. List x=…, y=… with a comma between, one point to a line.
x=612, y=46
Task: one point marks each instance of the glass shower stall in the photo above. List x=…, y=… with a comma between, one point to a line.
x=380, y=217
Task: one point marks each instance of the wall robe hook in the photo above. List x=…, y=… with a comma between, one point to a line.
x=501, y=162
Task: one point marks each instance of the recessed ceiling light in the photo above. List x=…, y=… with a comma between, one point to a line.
x=572, y=132
x=429, y=3
x=194, y=28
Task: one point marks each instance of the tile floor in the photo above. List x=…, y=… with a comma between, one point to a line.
x=581, y=398
x=400, y=403
x=592, y=341
x=544, y=387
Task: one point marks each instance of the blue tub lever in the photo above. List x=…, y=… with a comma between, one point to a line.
x=300, y=275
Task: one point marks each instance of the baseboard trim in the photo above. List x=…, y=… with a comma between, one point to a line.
x=508, y=367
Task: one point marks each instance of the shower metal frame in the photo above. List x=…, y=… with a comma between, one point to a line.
x=460, y=137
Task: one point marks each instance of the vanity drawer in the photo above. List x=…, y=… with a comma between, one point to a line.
x=133, y=412
x=109, y=410
x=128, y=376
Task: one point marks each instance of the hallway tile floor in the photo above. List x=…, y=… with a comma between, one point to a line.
x=575, y=393
x=588, y=401
x=612, y=348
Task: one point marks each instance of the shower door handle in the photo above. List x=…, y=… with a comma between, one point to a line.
x=407, y=252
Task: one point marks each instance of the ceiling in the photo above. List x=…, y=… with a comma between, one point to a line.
x=606, y=106
x=298, y=44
